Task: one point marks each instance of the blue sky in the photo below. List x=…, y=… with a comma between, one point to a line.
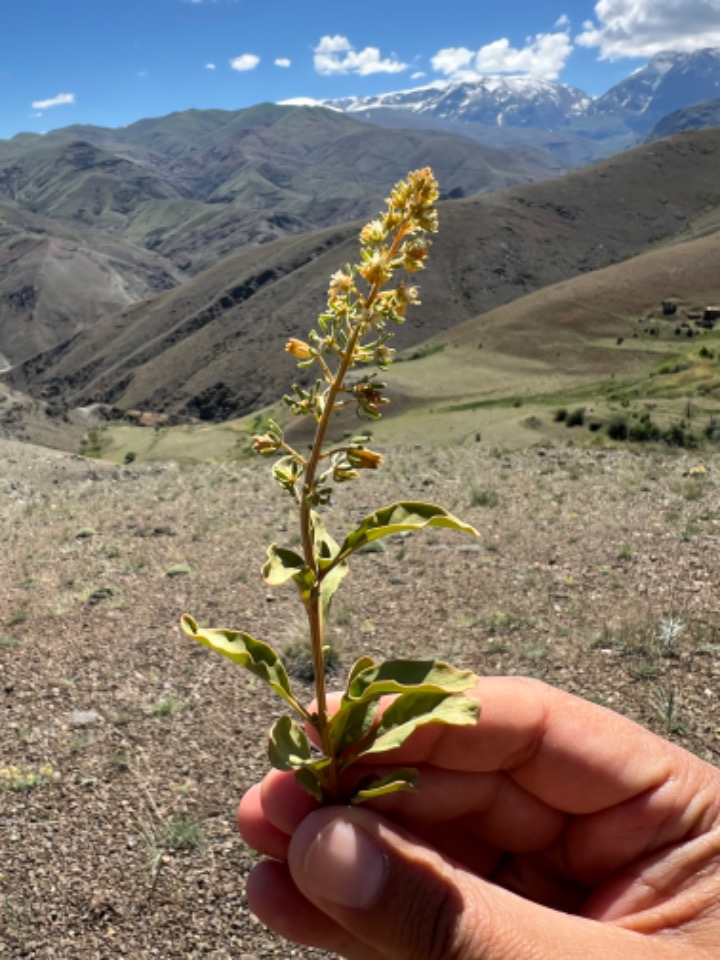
x=110, y=62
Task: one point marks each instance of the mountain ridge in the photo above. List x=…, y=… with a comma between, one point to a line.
x=593, y=127
x=213, y=348
x=221, y=182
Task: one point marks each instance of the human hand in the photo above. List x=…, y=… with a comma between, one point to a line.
x=553, y=830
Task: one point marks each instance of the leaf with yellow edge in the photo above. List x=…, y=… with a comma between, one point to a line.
x=401, y=676
x=257, y=657
x=398, y=517
x=326, y=550
x=283, y=564
x=414, y=710
x=351, y=724
x=406, y=781
x=289, y=747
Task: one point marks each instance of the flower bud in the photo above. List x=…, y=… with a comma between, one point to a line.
x=340, y=283
x=265, y=444
x=364, y=459
x=373, y=233
x=298, y=348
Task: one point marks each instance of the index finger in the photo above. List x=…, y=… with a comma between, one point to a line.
x=571, y=754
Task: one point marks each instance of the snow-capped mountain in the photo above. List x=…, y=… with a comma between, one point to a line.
x=670, y=81
x=493, y=101
x=524, y=111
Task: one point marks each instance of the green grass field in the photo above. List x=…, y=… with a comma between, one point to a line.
x=451, y=394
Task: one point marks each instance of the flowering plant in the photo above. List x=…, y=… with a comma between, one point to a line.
x=320, y=745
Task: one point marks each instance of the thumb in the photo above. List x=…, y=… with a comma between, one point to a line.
x=399, y=899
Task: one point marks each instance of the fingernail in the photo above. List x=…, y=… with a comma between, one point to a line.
x=344, y=866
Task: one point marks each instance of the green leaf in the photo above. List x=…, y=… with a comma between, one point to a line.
x=309, y=780
x=406, y=781
x=282, y=565
x=289, y=745
x=326, y=550
x=414, y=710
x=364, y=663
x=400, y=676
x=351, y=724
x=257, y=657
x=408, y=515
x=330, y=582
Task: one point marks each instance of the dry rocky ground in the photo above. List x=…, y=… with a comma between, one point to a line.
x=124, y=748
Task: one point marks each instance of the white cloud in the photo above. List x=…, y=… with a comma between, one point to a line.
x=247, y=61
x=61, y=100
x=543, y=55
x=562, y=21
x=642, y=28
x=452, y=60
x=337, y=55
x=418, y=75
x=282, y=62
x=211, y=66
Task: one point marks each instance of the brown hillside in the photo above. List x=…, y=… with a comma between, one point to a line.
x=55, y=281
x=212, y=348
x=142, y=208
x=605, y=303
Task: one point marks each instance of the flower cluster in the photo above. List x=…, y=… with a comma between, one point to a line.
x=18, y=778
x=353, y=331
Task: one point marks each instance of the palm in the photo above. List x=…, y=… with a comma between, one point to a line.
x=566, y=805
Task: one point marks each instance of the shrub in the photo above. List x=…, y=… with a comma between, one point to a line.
x=676, y=435
x=644, y=430
x=576, y=417
x=712, y=430
x=484, y=497
x=617, y=428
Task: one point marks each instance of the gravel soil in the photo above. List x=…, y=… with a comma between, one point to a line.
x=124, y=747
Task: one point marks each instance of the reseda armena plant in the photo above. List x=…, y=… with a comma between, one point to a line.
x=363, y=300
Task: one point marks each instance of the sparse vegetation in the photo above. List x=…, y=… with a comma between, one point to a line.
x=91, y=444
x=484, y=497
x=167, y=706
x=422, y=352
x=540, y=590
x=182, y=833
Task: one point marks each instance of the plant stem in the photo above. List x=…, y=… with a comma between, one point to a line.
x=313, y=605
